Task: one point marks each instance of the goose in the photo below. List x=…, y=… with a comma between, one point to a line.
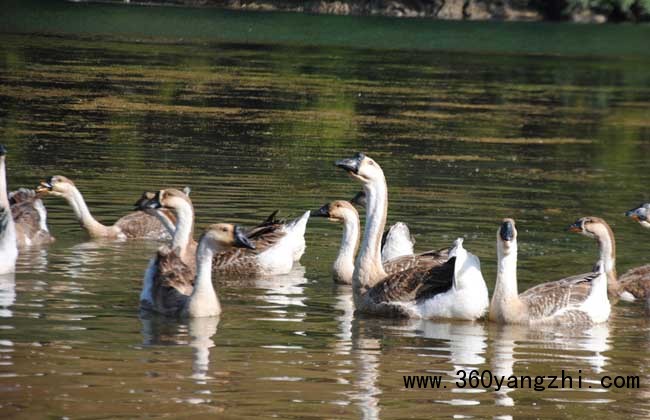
x=175, y=296
x=574, y=301
x=636, y=281
x=30, y=218
x=633, y=284
x=397, y=241
x=640, y=214
x=343, y=267
x=8, y=243
x=453, y=289
x=133, y=225
x=598, y=229
x=277, y=243
x=166, y=218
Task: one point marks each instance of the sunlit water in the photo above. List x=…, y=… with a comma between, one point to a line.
x=464, y=140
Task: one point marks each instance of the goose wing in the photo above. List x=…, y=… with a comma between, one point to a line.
x=29, y=215
x=636, y=281
x=425, y=260
x=267, y=233
x=173, y=282
x=547, y=299
x=139, y=224
x=414, y=284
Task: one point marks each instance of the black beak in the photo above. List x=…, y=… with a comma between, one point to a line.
x=507, y=231
x=351, y=164
x=145, y=203
x=575, y=227
x=3, y=150
x=321, y=212
x=241, y=241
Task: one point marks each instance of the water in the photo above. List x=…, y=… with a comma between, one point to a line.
x=464, y=140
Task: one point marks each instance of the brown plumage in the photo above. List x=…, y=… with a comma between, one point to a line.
x=173, y=282
x=423, y=261
x=636, y=281
x=30, y=218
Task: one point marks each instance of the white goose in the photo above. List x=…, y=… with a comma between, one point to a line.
x=574, y=301
x=397, y=241
x=8, y=247
x=455, y=289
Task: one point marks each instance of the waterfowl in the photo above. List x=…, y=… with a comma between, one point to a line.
x=640, y=214
x=343, y=267
x=133, y=225
x=598, y=229
x=397, y=241
x=175, y=296
x=574, y=301
x=453, y=289
x=8, y=245
x=277, y=244
x=636, y=281
x=30, y=218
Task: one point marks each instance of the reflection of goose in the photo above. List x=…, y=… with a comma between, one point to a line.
x=285, y=290
x=133, y=225
x=396, y=241
x=8, y=248
x=577, y=300
x=453, y=289
x=7, y=294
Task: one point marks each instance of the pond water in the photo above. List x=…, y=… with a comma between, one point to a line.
x=465, y=139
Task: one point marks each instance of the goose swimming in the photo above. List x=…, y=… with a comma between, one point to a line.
x=133, y=225
x=176, y=296
x=453, y=289
x=8, y=244
x=573, y=301
x=635, y=282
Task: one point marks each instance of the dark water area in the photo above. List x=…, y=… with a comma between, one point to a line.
x=464, y=140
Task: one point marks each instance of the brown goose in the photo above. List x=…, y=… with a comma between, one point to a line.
x=275, y=241
x=8, y=248
x=455, y=289
x=133, y=225
x=636, y=281
x=173, y=295
x=573, y=301
x=30, y=218
x=343, y=268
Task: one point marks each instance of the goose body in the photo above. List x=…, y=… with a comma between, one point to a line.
x=574, y=301
x=343, y=267
x=429, y=289
x=277, y=244
x=30, y=218
x=397, y=241
x=178, y=295
x=135, y=225
x=8, y=244
x=635, y=283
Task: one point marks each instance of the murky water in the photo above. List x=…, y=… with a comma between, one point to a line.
x=464, y=140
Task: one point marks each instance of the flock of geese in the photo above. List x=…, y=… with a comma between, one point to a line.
x=387, y=277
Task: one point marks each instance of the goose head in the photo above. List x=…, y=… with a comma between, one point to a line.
x=641, y=214
x=507, y=237
x=361, y=168
x=359, y=199
x=591, y=227
x=337, y=211
x=225, y=235
x=57, y=185
x=169, y=198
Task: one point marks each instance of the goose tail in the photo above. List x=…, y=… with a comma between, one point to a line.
x=296, y=231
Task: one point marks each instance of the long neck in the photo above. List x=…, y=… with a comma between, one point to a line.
x=203, y=282
x=4, y=199
x=368, y=269
x=184, y=226
x=87, y=221
x=162, y=217
x=344, y=264
x=607, y=251
x=505, y=290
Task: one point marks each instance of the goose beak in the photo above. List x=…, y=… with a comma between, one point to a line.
x=241, y=241
x=44, y=186
x=145, y=203
x=575, y=227
x=351, y=164
x=639, y=214
x=321, y=212
x=507, y=231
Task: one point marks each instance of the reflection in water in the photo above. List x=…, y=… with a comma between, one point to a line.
x=7, y=294
x=158, y=330
x=284, y=291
